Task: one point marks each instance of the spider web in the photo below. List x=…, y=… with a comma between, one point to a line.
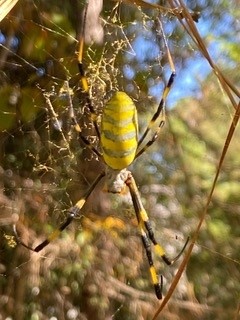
x=45, y=169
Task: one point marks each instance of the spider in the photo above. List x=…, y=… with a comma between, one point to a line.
x=120, y=147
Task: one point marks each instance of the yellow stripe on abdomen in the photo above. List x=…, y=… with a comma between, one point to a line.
x=119, y=133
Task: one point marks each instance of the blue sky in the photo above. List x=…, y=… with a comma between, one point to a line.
x=196, y=68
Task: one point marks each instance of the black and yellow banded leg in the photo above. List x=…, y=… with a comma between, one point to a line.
x=77, y=127
x=159, y=115
x=148, y=236
x=72, y=213
x=86, y=142
x=83, y=78
x=85, y=87
x=158, y=283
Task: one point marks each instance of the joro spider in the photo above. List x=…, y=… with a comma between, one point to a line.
x=120, y=147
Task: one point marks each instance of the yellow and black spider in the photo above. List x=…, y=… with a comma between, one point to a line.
x=120, y=146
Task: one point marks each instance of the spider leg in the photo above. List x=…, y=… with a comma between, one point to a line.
x=86, y=142
x=160, y=113
x=85, y=87
x=84, y=81
x=72, y=213
x=148, y=236
x=142, y=219
x=78, y=129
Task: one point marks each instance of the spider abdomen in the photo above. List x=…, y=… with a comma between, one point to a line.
x=119, y=131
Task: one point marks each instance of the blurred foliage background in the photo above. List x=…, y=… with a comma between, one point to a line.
x=97, y=268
